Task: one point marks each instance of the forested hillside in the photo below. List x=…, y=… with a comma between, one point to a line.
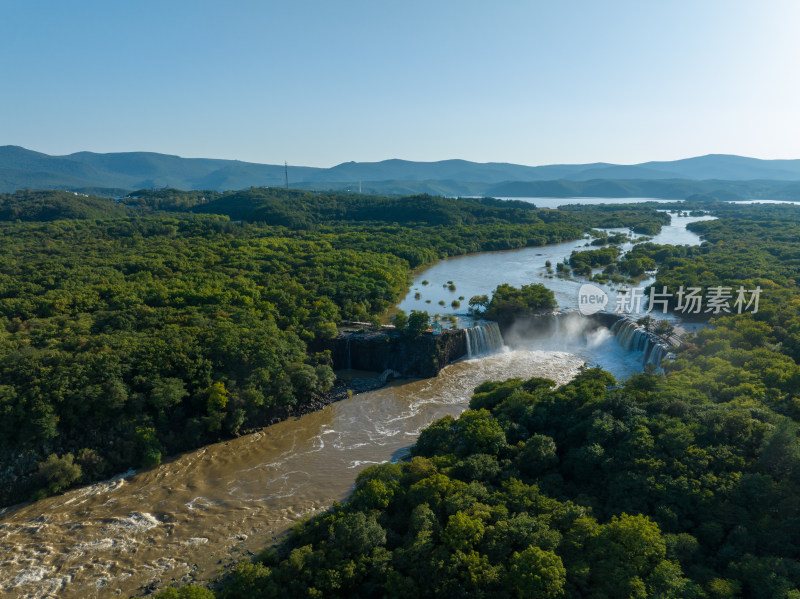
x=56, y=205
x=111, y=173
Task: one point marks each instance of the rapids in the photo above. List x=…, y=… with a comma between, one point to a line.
x=204, y=509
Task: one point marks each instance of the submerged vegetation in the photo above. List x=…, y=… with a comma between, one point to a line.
x=583, y=262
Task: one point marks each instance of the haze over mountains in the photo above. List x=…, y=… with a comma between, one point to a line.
x=120, y=173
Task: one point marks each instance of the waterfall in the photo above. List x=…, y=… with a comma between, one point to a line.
x=656, y=355
x=347, y=348
x=483, y=339
x=635, y=338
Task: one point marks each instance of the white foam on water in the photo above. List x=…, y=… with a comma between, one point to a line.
x=96, y=545
x=106, y=486
x=202, y=503
x=136, y=522
x=196, y=541
x=357, y=463
x=33, y=574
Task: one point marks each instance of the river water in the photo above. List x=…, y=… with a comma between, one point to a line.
x=187, y=515
x=480, y=274
x=195, y=514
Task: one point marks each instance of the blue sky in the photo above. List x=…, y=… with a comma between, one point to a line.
x=319, y=83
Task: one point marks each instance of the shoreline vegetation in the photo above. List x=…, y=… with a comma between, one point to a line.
x=142, y=328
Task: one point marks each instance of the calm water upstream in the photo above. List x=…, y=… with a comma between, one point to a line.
x=198, y=512
x=479, y=274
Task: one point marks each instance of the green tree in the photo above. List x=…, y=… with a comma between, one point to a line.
x=538, y=455
x=536, y=573
x=400, y=320
x=358, y=533
x=664, y=328
x=168, y=393
x=780, y=453
x=58, y=473
x=149, y=447
x=477, y=304
x=462, y=532
x=216, y=397
x=477, y=432
x=418, y=323
x=187, y=592
x=624, y=553
x=509, y=303
x=646, y=321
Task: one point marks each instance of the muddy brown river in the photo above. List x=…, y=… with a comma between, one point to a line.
x=192, y=516
x=201, y=511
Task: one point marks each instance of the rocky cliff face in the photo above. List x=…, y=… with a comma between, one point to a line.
x=422, y=357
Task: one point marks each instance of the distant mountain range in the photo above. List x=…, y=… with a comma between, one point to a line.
x=120, y=173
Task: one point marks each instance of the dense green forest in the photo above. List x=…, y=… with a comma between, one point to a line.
x=677, y=484
x=129, y=333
